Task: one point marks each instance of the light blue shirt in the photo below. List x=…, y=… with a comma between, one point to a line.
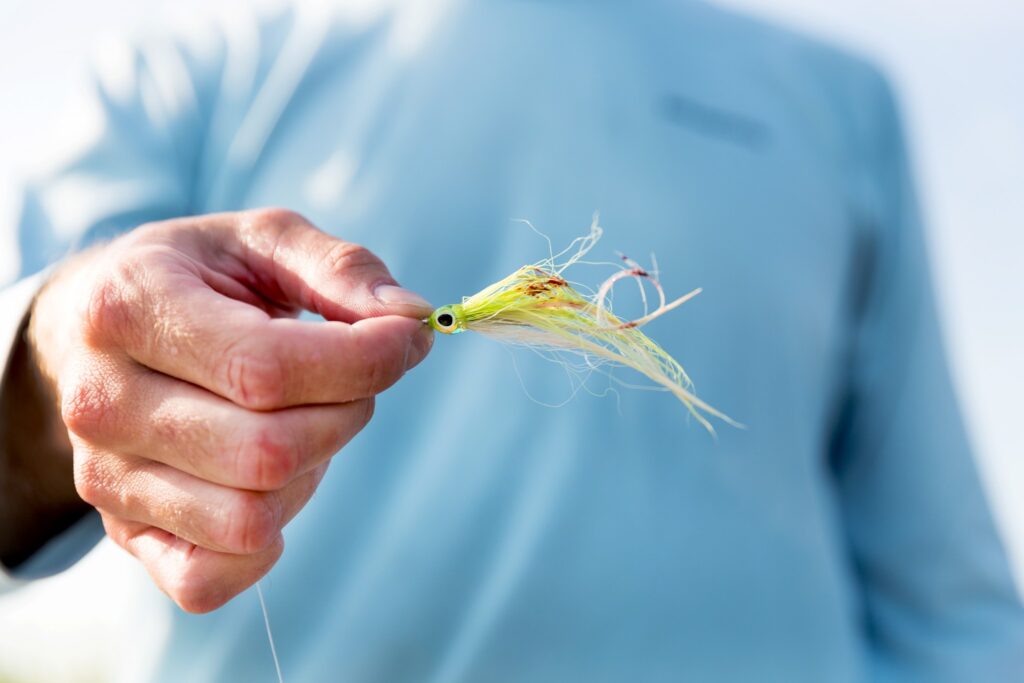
x=471, y=533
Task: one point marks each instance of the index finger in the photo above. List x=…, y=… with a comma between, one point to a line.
x=258, y=362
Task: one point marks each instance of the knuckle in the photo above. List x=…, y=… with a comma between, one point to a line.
x=251, y=523
x=347, y=256
x=87, y=407
x=254, y=380
x=88, y=480
x=109, y=311
x=94, y=482
x=131, y=290
x=266, y=459
x=276, y=217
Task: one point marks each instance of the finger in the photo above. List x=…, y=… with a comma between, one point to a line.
x=130, y=409
x=291, y=260
x=169, y=320
x=209, y=515
x=198, y=579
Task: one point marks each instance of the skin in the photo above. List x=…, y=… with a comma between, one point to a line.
x=164, y=381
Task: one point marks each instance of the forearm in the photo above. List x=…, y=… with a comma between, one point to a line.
x=37, y=492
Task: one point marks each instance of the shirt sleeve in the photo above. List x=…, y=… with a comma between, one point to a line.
x=132, y=158
x=937, y=592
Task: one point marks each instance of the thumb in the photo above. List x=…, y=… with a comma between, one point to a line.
x=298, y=264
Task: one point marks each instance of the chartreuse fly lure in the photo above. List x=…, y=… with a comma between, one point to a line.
x=538, y=308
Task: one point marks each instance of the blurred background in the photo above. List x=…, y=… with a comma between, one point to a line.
x=960, y=70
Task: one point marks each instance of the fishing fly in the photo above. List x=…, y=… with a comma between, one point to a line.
x=537, y=307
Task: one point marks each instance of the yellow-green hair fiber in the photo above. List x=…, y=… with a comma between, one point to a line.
x=537, y=307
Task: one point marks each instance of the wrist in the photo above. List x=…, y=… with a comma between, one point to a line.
x=37, y=492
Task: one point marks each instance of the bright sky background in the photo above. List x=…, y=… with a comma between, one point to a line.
x=960, y=68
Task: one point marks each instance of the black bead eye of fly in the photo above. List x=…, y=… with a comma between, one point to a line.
x=445, y=320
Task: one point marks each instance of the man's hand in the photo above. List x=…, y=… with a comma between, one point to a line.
x=201, y=414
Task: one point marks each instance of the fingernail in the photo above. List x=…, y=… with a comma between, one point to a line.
x=397, y=296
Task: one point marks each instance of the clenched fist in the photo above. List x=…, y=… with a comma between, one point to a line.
x=202, y=415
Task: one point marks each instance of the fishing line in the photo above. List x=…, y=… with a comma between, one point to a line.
x=270, y=635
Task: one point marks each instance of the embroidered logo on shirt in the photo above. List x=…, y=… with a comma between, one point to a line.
x=713, y=121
